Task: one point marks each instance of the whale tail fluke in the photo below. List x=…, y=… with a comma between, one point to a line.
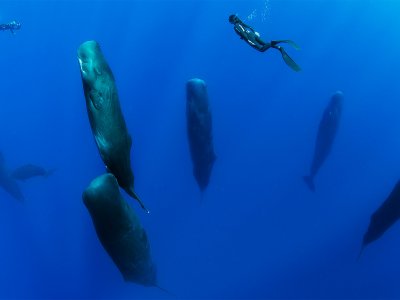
x=132, y=193
x=310, y=182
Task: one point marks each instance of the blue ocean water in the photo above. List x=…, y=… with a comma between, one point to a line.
x=257, y=232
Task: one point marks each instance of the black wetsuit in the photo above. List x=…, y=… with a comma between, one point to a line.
x=252, y=38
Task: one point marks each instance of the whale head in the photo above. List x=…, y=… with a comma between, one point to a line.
x=196, y=94
x=90, y=58
x=336, y=104
x=196, y=86
x=337, y=98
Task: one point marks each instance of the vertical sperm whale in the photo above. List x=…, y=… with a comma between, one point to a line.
x=105, y=116
x=199, y=130
x=119, y=231
x=326, y=135
x=383, y=218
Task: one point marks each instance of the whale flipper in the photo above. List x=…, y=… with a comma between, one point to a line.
x=310, y=182
x=133, y=194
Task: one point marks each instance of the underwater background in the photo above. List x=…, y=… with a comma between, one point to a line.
x=257, y=231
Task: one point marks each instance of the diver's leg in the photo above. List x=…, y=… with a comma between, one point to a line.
x=290, y=42
x=290, y=62
x=265, y=47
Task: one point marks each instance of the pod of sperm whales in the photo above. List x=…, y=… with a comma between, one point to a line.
x=119, y=230
x=383, y=218
x=199, y=130
x=326, y=135
x=8, y=183
x=29, y=170
x=105, y=115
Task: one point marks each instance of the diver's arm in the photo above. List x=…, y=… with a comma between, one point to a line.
x=250, y=36
x=244, y=25
x=257, y=45
x=239, y=31
x=248, y=27
x=253, y=41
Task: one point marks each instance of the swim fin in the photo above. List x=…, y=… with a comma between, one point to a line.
x=290, y=42
x=290, y=62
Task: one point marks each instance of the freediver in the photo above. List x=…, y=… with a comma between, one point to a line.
x=12, y=26
x=252, y=37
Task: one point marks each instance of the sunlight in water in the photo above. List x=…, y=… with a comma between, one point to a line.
x=262, y=13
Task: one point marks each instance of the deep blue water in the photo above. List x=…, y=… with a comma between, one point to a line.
x=258, y=232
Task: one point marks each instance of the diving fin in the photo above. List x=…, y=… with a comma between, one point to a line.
x=290, y=42
x=290, y=62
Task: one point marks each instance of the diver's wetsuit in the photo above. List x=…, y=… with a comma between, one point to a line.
x=252, y=37
x=13, y=25
x=248, y=34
